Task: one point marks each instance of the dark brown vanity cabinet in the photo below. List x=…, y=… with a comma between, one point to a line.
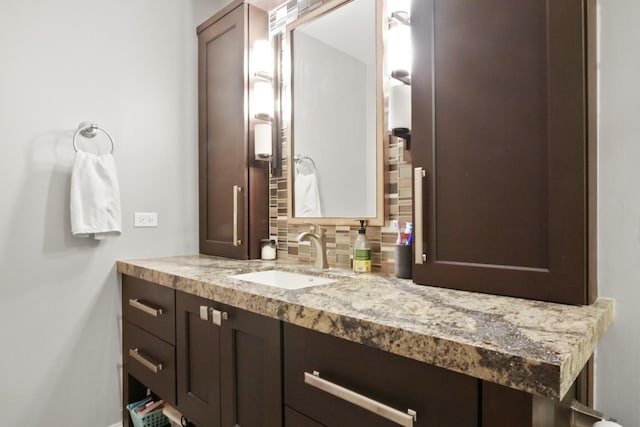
x=233, y=186
x=328, y=380
x=503, y=101
x=218, y=365
x=148, y=341
x=228, y=365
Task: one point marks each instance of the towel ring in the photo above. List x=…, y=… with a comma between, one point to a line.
x=90, y=130
x=300, y=160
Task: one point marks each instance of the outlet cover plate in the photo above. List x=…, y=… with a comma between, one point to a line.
x=145, y=219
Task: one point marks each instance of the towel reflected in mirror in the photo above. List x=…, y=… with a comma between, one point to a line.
x=307, y=191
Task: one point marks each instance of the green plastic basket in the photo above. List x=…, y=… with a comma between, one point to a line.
x=154, y=418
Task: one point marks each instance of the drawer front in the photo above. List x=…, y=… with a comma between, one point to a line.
x=151, y=361
x=149, y=306
x=359, y=385
x=296, y=419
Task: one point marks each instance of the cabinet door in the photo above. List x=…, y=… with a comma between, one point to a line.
x=233, y=186
x=198, y=362
x=251, y=370
x=223, y=135
x=499, y=94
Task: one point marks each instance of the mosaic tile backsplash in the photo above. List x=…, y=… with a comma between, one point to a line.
x=340, y=239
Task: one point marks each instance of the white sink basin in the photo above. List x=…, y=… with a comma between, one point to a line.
x=283, y=279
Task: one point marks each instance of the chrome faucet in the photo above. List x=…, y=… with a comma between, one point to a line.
x=319, y=241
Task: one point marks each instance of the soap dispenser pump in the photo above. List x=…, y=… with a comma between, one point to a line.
x=362, y=251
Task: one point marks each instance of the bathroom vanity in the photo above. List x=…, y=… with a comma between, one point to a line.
x=360, y=350
x=502, y=99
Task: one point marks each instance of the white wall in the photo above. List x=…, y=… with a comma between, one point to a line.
x=618, y=355
x=130, y=66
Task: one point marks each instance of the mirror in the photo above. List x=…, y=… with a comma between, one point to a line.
x=335, y=127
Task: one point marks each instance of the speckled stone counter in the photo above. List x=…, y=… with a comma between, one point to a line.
x=531, y=346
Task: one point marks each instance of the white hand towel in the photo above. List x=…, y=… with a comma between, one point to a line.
x=307, y=196
x=95, y=196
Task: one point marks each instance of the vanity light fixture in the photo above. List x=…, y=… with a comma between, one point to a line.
x=400, y=112
x=399, y=56
x=262, y=64
x=263, y=100
x=262, y=60
x=399, y=52
x=262, y=141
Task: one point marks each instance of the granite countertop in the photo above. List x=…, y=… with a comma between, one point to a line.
x=533, y=346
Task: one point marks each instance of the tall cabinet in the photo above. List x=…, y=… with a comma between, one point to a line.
x=233, y=186
x=504, y=149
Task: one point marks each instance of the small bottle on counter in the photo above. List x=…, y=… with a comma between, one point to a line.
x=362, y=251
x=267, y=249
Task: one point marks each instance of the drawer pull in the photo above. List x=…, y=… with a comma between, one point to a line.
x=392, y=414
x=155, y=312
x=236, y=191
x=153, y=367
x=418, y=232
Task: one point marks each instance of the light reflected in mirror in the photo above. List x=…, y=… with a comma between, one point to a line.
x=335, y=128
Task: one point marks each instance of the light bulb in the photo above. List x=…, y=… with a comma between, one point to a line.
x=399, y=49
x=262, y=58
x=262, y=141
x=262, y=99
x=400, y=107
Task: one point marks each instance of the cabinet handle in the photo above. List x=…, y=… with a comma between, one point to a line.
x=236, y=190
x=392, y=414
x=153, y=367
x=155, y=312
x=217, y=316
x=419, y=255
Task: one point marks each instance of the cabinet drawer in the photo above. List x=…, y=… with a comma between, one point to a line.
x=151, y=361
x=149, y=306
x=296, y=419
x=383, y=381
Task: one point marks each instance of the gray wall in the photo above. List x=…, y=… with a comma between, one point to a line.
x=618, y=355
x=330, y=97
x=131, y=66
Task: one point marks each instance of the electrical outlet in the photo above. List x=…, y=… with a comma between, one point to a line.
x=145, y=219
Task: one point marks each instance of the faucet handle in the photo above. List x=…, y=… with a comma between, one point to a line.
x=316, y=228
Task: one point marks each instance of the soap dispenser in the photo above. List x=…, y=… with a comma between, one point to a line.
x=362, y=251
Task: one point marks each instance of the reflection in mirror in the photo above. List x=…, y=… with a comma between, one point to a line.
x=335, y=127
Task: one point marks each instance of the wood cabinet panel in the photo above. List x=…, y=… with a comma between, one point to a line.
x=149, y=306
x=439, y=397
x=251, y=370
x=500, y=121
x=151, y=361
x=198, y=362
